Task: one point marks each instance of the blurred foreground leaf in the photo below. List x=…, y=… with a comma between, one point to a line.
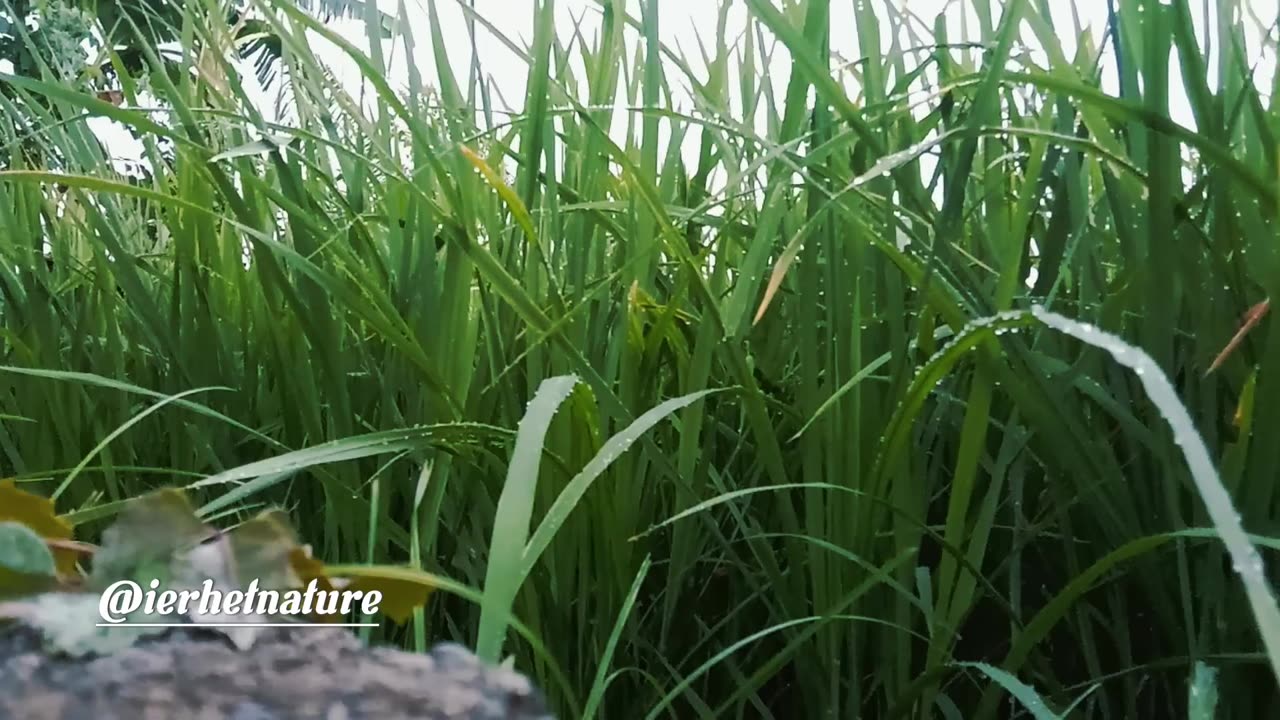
x=37, y=514
x=403, y=589
x=145, y=537
x=26, y=563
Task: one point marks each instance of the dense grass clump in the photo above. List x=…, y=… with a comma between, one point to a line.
x=907, y=496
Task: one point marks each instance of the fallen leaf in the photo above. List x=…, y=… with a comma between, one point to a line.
x=257, y=550
x=261, y=549
x=403, y=589
x=149, y=532
x=307, y=568
x=37, y=513
x=26, y=563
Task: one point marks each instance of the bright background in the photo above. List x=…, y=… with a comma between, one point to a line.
x=683, y=26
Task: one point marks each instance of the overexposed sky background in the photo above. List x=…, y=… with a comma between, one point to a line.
x=682, y=23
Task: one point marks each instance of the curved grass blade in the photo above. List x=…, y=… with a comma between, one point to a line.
x=975, y=333
x=351, y=448
x=612, y=449
x=88, y=182
x=120, y=431
x=858, y=377
x=511, y=519
x=1024, y=693
x=1244, y=556
x=687, y=681
x=601, y=680
x=104, y=382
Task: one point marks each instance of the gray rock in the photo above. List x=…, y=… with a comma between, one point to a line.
x=289, y=673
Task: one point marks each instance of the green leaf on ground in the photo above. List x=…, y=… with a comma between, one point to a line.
x=26, y=563
x=37, y=513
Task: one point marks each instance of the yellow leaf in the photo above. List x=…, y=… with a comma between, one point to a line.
x=307, y=569
x=509, y=196
x=399, y=596
x=403, y=588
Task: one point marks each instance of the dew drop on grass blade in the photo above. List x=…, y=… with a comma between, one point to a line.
x=1244, y=556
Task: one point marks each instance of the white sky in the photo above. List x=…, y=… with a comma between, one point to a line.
x=682, y=22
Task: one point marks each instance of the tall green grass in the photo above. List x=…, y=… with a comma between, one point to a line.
x=911, y=501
